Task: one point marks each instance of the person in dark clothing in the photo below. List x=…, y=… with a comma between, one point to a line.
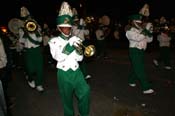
x=5, y=75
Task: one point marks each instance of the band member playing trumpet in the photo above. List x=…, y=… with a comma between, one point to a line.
x=30, y=39
x=138, y=38
x=79, y=29
x=71, y=80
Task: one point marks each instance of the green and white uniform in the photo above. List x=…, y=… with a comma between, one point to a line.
x=70, y=77
x=137, y=46
x=32, y=55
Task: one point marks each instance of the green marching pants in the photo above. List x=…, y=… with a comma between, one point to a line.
x=34, y=64
x=72, y=82
x=83, y=67
x=138, y=68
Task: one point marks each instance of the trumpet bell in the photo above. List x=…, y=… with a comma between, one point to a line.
x=89, y=50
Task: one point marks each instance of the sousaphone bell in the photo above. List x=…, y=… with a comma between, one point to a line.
x=31, y=25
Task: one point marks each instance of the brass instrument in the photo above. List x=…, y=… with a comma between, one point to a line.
x=88, y=51
x=31, y=25
x=14, y=25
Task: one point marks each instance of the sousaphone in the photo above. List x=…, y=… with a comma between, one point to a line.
x=14, y=24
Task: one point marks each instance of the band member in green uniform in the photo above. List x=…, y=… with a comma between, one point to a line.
x=138, y=38
x=30, y=38
x=71, y=80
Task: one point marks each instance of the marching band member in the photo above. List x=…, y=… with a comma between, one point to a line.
x=79, y=30
x=31, y=41
x=71, y=80
x=102, y=33
x=138, y=38
x=101, y=42
x=164, y=40
x=46, y=35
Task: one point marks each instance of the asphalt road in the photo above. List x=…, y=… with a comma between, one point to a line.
x=110, y=93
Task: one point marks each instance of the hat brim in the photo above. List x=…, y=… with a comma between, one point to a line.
x=138, y=21
x=64, y=25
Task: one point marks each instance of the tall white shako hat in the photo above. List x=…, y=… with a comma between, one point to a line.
x=64, y=18
x=24, y=12
x=75, y=14
x=145, y=10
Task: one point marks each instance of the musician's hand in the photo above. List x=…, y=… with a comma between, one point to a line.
x=146, y=32
x=77, y=44
x=74, y=41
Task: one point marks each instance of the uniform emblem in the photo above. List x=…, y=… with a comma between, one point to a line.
x=66, y=21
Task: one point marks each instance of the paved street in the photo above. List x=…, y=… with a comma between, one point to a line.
x=110, y=93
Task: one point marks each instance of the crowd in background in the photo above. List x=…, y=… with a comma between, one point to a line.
x=114, y=33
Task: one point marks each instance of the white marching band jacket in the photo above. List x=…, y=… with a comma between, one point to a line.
x=137, y=39
x=26, y=43
x=64, y=61
x=164, y=40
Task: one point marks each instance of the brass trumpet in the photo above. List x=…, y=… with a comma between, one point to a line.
x=88, y=51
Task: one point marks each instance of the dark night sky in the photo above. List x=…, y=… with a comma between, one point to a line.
x=45, y=10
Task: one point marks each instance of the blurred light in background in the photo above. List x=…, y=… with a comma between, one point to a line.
x=3, y=29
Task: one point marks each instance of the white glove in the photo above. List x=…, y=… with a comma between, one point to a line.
x=81, y=21
x=77, y=44
x=149, y=27
x=75, y=41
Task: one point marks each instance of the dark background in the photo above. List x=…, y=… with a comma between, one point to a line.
x=46, y=10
